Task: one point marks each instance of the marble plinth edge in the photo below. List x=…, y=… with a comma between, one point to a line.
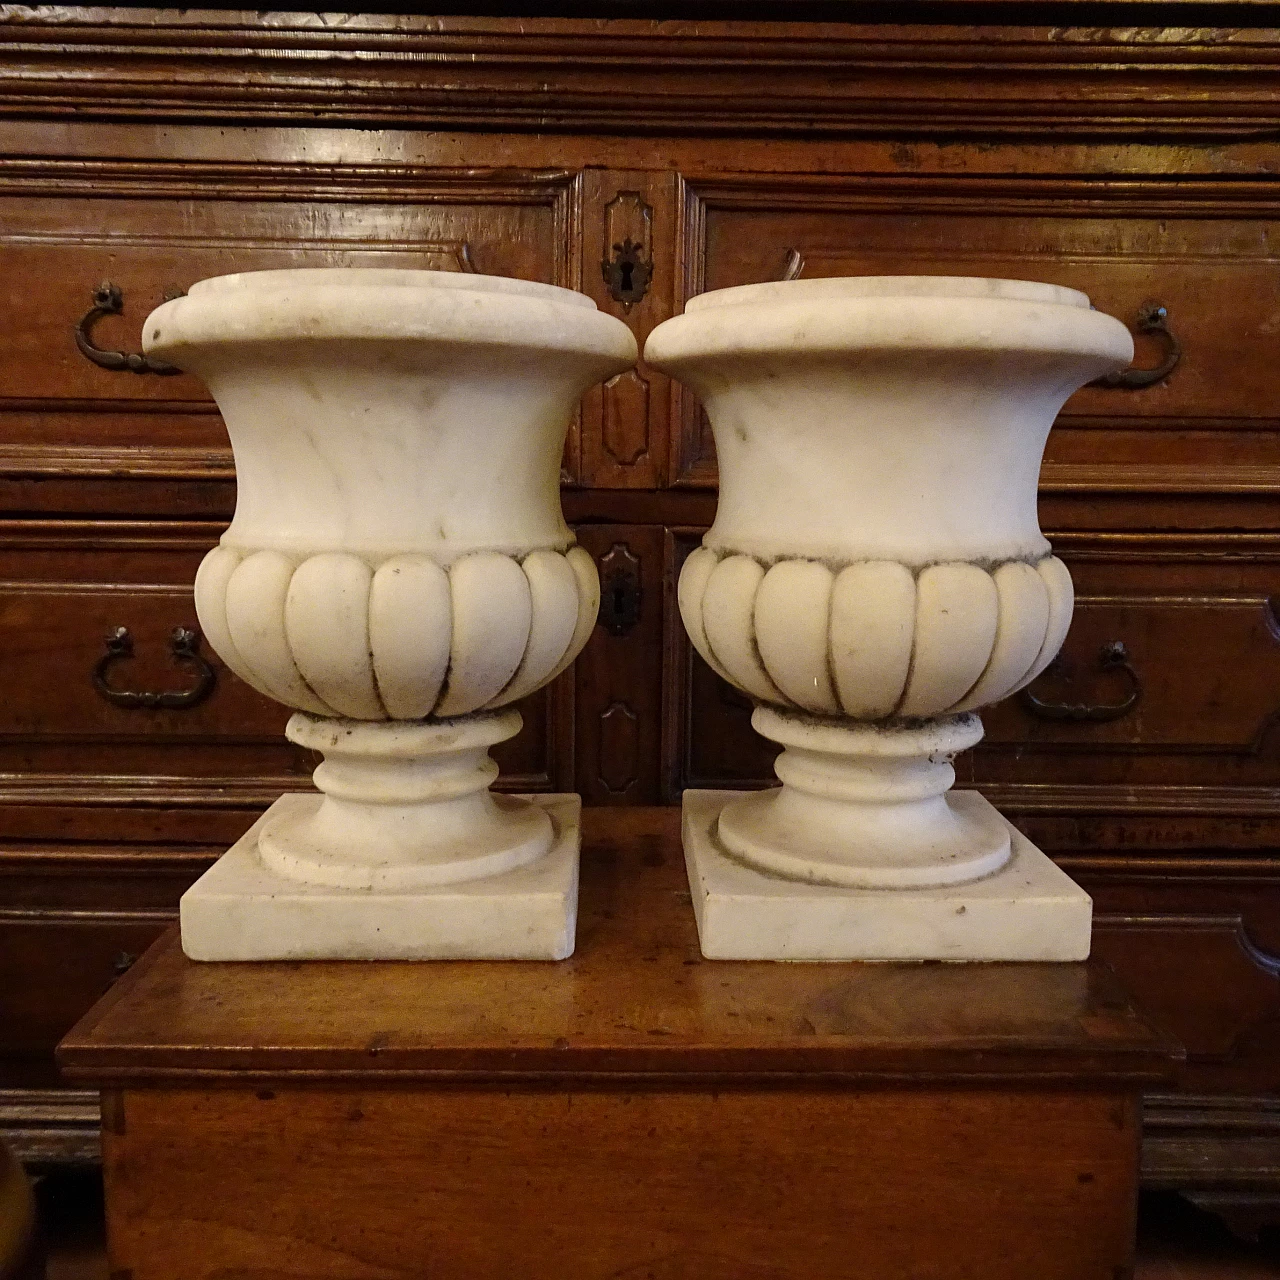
x=241, y=910
x=1028, y=910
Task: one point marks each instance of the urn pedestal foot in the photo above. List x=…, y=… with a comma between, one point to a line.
x=1027, y=910
x=865, y=806
x=243, y=909
x=406, y=855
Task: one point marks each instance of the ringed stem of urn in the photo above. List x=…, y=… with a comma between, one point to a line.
x=405, y=804
x=864, y=806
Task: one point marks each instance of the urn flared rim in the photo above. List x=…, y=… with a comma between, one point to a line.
x=272, y=281
x=932, y=316
x=837, y=287
x=386, y=305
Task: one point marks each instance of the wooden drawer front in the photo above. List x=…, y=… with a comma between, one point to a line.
x=1196, y=942
x=159, y=228
x=55, y=640
x=62, y=593
x=65, y=744
x=52, y=970
x=1195, y=699
x=1190, y=723
x=73, y=916
x=1217, y=279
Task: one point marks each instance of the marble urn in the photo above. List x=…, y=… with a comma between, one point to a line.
x=875, y=575
x=399, y=572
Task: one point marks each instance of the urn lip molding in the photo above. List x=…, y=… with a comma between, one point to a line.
x=833, y=288
x=841, y=316
x=381, y=304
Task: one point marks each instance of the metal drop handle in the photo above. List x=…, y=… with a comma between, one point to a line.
x=108, y=300
x=184, y=647
x=1114, y=656
x=1153, y=318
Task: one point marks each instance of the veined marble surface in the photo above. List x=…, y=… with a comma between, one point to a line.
x=876, y=570
x=1028, y=910
x=398, y=571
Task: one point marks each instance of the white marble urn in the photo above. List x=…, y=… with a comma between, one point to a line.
x=875, y=575
x=398, y=571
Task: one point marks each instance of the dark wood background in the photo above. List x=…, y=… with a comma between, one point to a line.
x=1135, y=162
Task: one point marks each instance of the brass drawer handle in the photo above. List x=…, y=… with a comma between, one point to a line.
x=108, y=300
x=1113, y=656
x=184, y=645
x=1153, y=317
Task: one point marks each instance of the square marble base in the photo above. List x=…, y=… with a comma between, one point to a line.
x=1028, y=910
x=240, y=910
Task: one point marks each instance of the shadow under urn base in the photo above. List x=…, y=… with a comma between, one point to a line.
x=406, y=855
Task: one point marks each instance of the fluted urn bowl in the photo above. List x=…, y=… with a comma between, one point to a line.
x=398, y=569
x=876, y=571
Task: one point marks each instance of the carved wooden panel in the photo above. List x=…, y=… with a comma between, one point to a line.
x=624, y=426
x=629, y=254
x=1209, y=251
x=619, y=675
x=1196, y=940
x=155, y=228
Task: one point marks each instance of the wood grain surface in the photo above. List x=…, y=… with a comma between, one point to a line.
x=636, y=999
x=631, y=1112
x=324, y=1183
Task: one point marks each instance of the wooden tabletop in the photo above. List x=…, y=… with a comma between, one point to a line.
x=635, y=1001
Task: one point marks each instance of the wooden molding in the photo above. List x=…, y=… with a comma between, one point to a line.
x=133, y=792
x=1136, y=195
x=1221, y=1152
x=167, y=793
x=51, y=1126
x=1200, y=1141
x=110, y=535
x=1140, y=546
x=681, y=77
x=1156, y=477
x=1099, y=798
x=104, y=462
x=167, y=179
x=1083, y=478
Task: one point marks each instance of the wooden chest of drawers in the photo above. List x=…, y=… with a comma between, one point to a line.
x=644, y=162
